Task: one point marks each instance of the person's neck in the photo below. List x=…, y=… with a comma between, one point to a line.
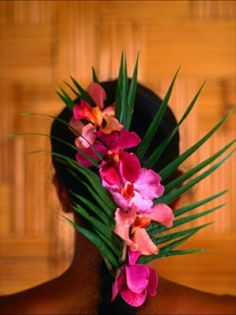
x=86, y=261
x=82, y=278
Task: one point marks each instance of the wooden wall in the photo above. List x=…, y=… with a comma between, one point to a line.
x=42, y=43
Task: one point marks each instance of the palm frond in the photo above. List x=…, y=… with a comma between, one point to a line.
x=111, y=260
x=92, y=179
x=83, y=93
x=157, y=228
x=95, y=78
x=99, y=212
x=72, y=89
x=66, y=99
x=151, y=131
x=65, y=123
x=118, y=98
x=125, y=94
x=170, y=168
x=172, y=195
x=131, y=95
x=199, y=203
x=152, y=160
x=110, y=239
x=175, y=183
x=171, y=236
x=165, y=250
x=164, y=254
x=93, y=184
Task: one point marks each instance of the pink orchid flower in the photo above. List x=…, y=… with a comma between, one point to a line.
x=130, y=226
x=131, y=185
x=109, y=145
x=118, y=141
x=100, y=118
x=97, y=145
x=135, y=281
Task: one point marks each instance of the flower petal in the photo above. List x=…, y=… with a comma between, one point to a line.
x=129, y=166
x=144, y=243
x=132, y=298
x=143, y=205
x=128, y=139
x=163, y=214
x=84, y=161
x=117, y=284
x=88, y=136
x=111, y=179
x=97, y=93
x=83, y=111
x=111, y=140
x=124, y=219
x=148, y=184
x=153, y=282
x=120, y=200
x=120, y=140
x=112, y=124
x=133, y=256
x=109, y=110
x=137, y=277
x=76, y=126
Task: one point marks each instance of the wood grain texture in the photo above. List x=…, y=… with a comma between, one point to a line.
x=41, y=44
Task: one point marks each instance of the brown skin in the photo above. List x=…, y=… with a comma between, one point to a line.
x=76, y=290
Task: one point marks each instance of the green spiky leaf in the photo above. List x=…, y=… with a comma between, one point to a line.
x=150, y=133
x=173, y=195
x=82, y=93
x=131, y=95
x=163, y=254
x=152, y=160
x=155, y=228
x=99, y=212
x=175, y=183
x=171, y=236
x=170, y=168
x=98, y=242
x=167, y=248
x=66, y=100
x=95, y=78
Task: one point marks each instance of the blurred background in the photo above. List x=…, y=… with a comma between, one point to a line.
x=42, y=43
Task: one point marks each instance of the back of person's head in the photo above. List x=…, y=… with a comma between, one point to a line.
x=145, y=107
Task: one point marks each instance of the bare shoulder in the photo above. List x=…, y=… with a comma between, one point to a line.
x=25, y=302
x=57, y=296
x=41, y=299
x=173, y=298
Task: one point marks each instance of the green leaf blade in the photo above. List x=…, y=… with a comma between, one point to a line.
x=169, y=169
x=152, y=160
x=83, y=93
x=149, y=135
x=171, y=196
x=131, y=94
x=95, y=78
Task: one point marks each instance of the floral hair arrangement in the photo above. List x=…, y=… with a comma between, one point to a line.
x=131, y=220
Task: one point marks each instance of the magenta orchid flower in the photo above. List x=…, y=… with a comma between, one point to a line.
x=82, y=159
x=135, y=281
x=110, y=145
x=131, y=185
x=118, y=141
x=130, y=226
x=97, y=118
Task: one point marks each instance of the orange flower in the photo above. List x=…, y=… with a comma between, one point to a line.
x=100, y=118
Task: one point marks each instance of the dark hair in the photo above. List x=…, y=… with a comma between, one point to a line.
x=146, y=105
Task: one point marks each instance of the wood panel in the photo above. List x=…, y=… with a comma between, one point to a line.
x=41, y=44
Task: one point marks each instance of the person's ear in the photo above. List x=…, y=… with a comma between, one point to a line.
x=62, y=194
